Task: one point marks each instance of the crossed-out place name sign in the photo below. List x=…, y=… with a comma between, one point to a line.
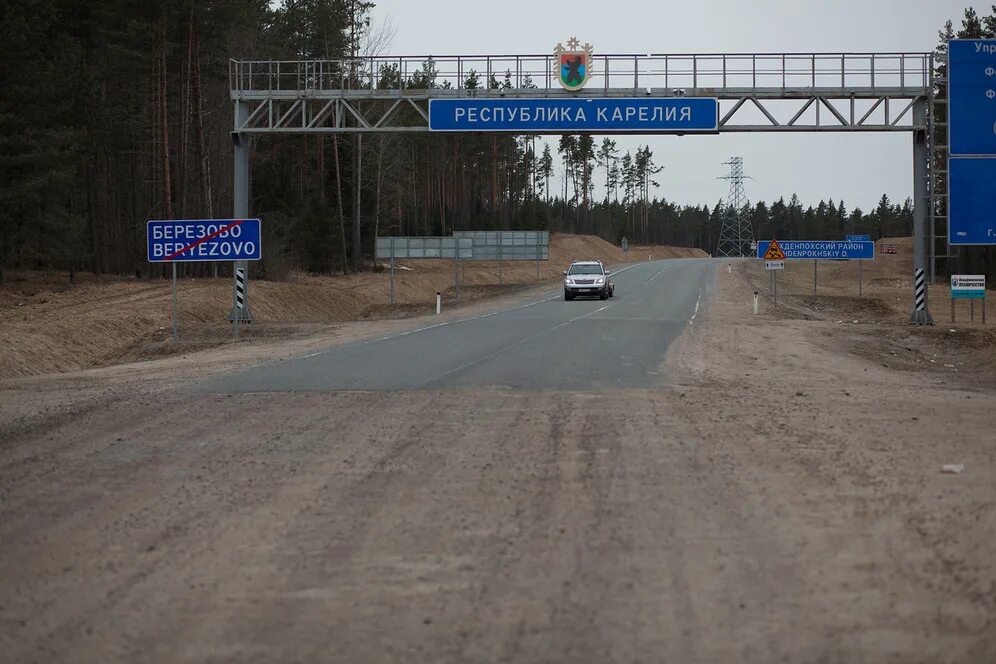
x=176, y=240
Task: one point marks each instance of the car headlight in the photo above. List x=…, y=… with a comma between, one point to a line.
x=600, y=280
x=568, y=281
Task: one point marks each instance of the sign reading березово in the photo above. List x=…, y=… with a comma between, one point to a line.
x=629, y=114
x=182, y=240
x=820, y=249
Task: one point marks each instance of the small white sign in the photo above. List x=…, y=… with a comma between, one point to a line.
x=968, y=282
x=774, y=265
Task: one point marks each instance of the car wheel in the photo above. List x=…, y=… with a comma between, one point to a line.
x=604, y=295
x=567, y=296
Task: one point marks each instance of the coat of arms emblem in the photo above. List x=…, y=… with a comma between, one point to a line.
x=573, y=64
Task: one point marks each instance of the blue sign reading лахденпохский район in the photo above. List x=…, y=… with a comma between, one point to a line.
x=604, y=115
x=820, y=249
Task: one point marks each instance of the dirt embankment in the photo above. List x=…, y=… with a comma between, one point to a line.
x=47, y=326
x=875, y=324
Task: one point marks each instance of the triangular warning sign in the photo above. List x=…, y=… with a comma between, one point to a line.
x=774, y=252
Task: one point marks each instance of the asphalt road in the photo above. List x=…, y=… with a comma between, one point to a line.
x=548, y=344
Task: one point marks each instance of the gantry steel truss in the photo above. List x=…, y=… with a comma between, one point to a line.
x=758, y=92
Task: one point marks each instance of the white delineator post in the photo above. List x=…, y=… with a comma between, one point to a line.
x=439, y=302
x=755, y=303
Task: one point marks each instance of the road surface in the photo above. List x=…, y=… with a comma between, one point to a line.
x=586, y=344
x=535, y=485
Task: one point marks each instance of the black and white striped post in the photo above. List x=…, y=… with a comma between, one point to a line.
x=240, y=299
x=919, y=294
x=920, y=315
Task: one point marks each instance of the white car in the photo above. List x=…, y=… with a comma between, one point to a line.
x=587, y=278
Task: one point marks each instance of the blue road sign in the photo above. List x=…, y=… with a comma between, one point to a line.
x=972, y=211
x=661, y=115
x=858, y=238
x=820, y=249
x=176, y=240
x=972, y=97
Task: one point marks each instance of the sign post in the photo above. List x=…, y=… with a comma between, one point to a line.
x=174, y=316
x=773, y=267
x=859, y=238
x=203, y=240
x=774, y=260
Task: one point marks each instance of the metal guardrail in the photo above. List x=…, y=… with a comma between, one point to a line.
x=763, y=72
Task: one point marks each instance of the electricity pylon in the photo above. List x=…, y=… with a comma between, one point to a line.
x=736, y=234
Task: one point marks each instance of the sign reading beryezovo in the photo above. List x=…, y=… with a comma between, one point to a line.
x=968, y=286
x=820, y=249
x=176, y=240
x=629, y=114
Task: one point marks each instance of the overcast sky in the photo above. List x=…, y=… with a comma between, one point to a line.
x=855, y=167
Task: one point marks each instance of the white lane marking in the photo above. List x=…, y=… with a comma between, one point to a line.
x=698, y=301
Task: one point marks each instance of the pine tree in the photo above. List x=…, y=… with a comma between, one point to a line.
x=607, y=158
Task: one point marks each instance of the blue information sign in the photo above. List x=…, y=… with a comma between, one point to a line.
x=858, y=238
x=972, y=211
x=176, y=240
x=821, y=249
x=972, y=97
x=603, y=115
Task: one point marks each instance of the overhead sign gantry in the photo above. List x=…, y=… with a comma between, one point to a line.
x=575, y=90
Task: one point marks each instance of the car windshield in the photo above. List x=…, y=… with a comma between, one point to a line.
x=585, y=269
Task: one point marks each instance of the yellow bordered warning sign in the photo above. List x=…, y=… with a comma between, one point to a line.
x=774, y=252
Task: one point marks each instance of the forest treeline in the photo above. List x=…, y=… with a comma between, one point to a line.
x=113, y=112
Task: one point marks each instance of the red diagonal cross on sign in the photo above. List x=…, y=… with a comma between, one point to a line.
x=205, y=238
